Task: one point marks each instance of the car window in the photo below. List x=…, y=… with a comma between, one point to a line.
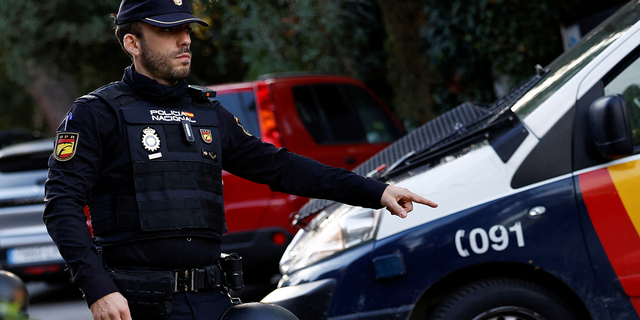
x=15, y=136
x=25, y=162
x=571, y=62
x=310, y=114
x=627, y=84
x=241, y=104
x=378, y=126
x=341, y=119
x=335, y=114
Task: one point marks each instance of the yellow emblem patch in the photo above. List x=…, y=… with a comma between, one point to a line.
x=206, y=135
x=65, y=145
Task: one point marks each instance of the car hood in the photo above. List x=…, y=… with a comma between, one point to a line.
x=462, y=122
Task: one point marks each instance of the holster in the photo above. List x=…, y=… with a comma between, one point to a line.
x=148, y=293
x=231, y=265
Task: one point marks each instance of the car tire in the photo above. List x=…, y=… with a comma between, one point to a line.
x=503, y=299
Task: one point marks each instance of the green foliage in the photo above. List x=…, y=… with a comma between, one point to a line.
x=476, y=43
x=73, y=36
x=216, y=58
x=470, y=45
x=17, y=108
x=330, y=36
x=69, y=40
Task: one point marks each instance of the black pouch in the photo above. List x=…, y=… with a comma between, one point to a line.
x=231, y=265
x=149, y=293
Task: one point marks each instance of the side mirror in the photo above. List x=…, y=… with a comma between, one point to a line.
x=610, y=128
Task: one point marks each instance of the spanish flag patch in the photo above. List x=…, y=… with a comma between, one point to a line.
x=65, y=145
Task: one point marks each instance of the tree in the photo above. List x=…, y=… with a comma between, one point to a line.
x=481, y=48
x=422, y=57
x=329, y=36
x=409, y=71
x=431, y=54
x=52, y=50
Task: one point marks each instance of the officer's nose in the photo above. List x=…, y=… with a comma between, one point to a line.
x=185, y=37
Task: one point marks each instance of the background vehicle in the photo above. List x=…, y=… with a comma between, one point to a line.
x=26, y=248
x=13, y=136
x=538, y=215
x=333, y=119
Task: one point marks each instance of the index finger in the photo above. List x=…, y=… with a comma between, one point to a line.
x=420, y=199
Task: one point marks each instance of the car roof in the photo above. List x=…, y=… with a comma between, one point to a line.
x=246, y=85
x=42, y=145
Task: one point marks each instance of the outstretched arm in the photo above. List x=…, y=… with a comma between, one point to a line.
x=399, y=201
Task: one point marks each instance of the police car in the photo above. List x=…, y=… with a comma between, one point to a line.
x=539, y=214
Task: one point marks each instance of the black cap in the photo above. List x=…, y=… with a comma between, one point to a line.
x=160, y=13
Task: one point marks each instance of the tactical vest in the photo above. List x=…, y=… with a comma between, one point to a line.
x=176, y=154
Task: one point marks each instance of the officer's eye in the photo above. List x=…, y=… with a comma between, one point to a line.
x=188, y=29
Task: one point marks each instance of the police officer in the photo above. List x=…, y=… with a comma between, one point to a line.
x=145, y=154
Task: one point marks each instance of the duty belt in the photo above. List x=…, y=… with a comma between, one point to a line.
x=192, y=280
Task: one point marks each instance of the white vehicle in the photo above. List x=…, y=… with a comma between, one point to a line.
x=539, y=214
x=26, y=248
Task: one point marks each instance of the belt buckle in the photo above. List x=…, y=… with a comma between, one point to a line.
x=185, y=280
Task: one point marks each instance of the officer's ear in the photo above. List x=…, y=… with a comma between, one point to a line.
x=132, y=44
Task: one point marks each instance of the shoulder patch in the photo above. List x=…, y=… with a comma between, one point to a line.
x=65, y=145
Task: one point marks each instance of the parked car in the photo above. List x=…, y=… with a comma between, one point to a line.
x=539, y=212
x=336, y=120
x=13, y=136
x=26, y=248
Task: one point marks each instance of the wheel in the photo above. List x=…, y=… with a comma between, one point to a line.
x=503, y=299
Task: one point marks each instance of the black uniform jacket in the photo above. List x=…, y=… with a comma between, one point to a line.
x=98, y=155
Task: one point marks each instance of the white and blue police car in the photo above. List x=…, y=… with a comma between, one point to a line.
x=539, y=214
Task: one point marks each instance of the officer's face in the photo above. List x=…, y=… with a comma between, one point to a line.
x=164, y=53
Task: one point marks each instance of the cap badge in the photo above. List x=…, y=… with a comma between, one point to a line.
x=206, y=135
x=66, y=144
x=177, y=2
x=150, y=140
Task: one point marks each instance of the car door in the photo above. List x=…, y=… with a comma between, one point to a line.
x=609, y=193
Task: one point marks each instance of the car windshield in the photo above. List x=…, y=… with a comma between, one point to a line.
x=572, y=61
x=242, y=105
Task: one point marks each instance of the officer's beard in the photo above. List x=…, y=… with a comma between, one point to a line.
x=161, y=65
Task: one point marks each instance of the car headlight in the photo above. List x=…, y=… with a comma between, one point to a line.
x=330, y=232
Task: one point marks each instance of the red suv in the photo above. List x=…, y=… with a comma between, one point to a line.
x=336, y=120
